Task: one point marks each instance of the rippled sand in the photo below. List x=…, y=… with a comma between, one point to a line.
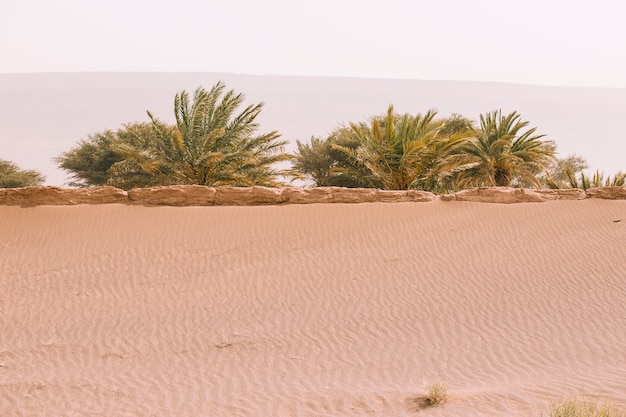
x=316, y=310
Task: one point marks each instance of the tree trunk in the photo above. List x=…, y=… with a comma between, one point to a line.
x=502, y=178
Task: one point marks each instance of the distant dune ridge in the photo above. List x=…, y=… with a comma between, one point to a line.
x=311, y=309
x=44, y=115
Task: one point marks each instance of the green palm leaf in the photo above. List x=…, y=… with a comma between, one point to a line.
x=211, y=144
x=502, y=152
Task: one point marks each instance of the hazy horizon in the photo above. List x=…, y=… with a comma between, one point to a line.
x=339, y=77
x=571, y=43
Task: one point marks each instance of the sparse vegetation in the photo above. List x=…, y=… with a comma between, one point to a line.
x=90, y=161
x=11, y=176
x=322, y=162
x=577, y=408
x=561, y=170
x=435, y=394
x=586, y=182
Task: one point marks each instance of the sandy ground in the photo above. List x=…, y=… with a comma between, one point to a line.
x=318, y=310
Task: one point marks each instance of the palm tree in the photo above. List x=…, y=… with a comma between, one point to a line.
x=501, y=154
x=209, y=145
x=404, y=151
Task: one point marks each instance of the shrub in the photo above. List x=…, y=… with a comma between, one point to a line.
x=577, y=408
x=11, y=176
x=435, y=394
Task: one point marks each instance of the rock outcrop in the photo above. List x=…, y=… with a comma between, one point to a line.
x=607, y=193
x=498, y=195
x=248, y=196
x=174, y=195
x=57, y=196
x=308, y=195
x=417, y=196
x=353, y=195
x=564, y=194
x=198, y=195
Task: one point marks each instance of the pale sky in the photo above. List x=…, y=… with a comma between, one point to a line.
x=548, y=42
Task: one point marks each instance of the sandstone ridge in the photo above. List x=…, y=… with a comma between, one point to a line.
x=197, y=195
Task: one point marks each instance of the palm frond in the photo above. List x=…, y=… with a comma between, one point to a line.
x=503, y=150
x=210, y=144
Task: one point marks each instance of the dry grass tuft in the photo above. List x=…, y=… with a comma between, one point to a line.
x=435, y=394
x=577, y=408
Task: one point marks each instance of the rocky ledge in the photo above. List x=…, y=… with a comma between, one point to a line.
x=197, y=195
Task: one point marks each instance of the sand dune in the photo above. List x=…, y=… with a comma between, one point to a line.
x=316, y=310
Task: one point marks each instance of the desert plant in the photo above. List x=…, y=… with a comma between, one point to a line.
x=89, y=162
x=559, y=172
x=11, y=176
x=404, y=151
x=435, y=394
x=578, y=408
x=210, y=144
x=321, y=162
x=456, y=124
x=502, y=152
x=585, y=182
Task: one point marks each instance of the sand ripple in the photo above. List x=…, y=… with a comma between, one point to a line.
x=319, y=310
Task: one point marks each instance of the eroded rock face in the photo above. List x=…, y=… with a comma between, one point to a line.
x=248, y=196
x=565, y=194
x=308, y=195
x=174, y=195
x=353, y=195
x=418, y=196
x=57, y=196
x=198, y=195
x=267, y=195
x=392, y=196
x=499, y=195
x=607, y=193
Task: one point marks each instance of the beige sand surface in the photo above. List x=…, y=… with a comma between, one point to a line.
x=315, y=310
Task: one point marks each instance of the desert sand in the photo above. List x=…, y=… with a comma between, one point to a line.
x=311, y=310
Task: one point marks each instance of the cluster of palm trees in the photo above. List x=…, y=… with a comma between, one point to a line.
x=402, y=151
x=214, y=144
x=210, y=144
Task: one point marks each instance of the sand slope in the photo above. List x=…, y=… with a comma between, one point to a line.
x=317, y=310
